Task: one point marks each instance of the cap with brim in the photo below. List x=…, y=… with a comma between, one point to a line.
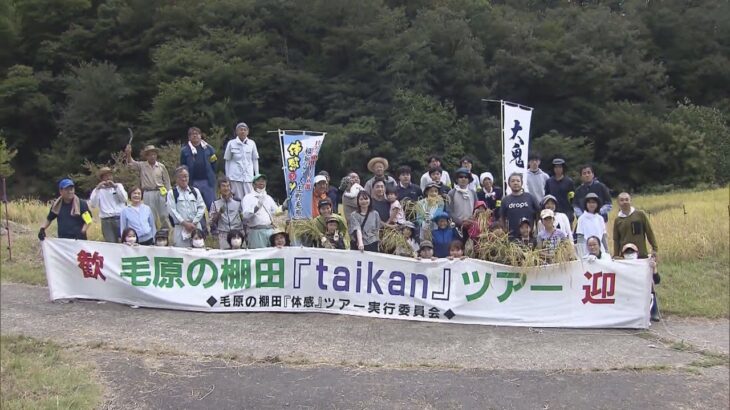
x=465, y=172
x=408, y=224
x=332, y=219
x=440, y=215
x=324, y=202
x=559, y=161
x=630, y=246
x=65, y=183
x=375, y=160
x=162, y=233
x=426, y=244
x=259, y=176
x=105, y=170
x=592, y=196
x=547, y=198
x=547, y=213
x=480, y=204
x=319, y=178
x=431, y=185
x=278, y=232
x=241, y=125
x=149, y=148
x=525, y=221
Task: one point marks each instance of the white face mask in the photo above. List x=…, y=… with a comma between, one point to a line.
x=161, y=242
x=260, y=190
x=631, y=255
x=198, y=243
x=130, y=239
x=236, y=243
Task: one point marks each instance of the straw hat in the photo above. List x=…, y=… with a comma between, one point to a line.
x=104, y=170
x=375, y=160
x=149, y=148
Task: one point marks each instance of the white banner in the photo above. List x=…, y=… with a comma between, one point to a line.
x=577, y=294
x=516, y=141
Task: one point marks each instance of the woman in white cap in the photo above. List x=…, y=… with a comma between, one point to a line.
x=490, y=194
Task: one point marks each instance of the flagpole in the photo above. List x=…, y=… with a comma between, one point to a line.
x=501, y=136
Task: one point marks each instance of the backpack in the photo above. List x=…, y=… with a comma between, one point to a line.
x=176, y=195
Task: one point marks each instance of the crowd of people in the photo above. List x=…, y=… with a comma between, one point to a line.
x=435, y=218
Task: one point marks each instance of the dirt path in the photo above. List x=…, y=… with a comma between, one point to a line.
x=319, y=360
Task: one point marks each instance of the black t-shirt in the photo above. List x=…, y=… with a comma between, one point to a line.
x=413, y=192
x=516, y=207
x=69, y=226
x=383, y=208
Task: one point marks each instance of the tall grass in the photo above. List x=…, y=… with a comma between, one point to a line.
x=689, y=226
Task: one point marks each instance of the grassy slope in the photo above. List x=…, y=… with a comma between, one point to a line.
x=39, y=375
x=692, y=229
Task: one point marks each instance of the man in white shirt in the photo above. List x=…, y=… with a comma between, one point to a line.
x=258, y=214
x=242, y=162
x=110, y=197
x=186, y=208
x=434, y=162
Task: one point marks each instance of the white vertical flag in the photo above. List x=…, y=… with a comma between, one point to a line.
x=516, y=140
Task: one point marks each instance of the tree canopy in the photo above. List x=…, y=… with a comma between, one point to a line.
x=640, y=89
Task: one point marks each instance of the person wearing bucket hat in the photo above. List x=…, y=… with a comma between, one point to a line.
x=242, y=161
x=425, y=251
x=154, y=180
x=258, y=213
x=71, y=211
x=378, y=166
x=443, y=235
x=562, y=188
x=590, y=184
x=462, y=198
x=561, y=220
x=535, y=178
x=489, y=193
x=432, y=162
x=279, y=238
x=110, y=198
x=590, y=223
x=467, y=163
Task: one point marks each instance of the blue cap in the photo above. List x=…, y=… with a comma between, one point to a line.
x=65, y=183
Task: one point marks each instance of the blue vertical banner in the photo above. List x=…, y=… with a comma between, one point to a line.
x=299, y=153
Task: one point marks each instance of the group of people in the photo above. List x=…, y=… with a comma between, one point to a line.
x=435, y=216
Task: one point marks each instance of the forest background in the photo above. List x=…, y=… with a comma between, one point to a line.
x=639, y=88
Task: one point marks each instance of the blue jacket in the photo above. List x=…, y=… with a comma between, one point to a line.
x=441, y=239
x=187, y=159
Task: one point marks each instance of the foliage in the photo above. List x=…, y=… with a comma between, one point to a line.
x=6, y=155
x=393, y=78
